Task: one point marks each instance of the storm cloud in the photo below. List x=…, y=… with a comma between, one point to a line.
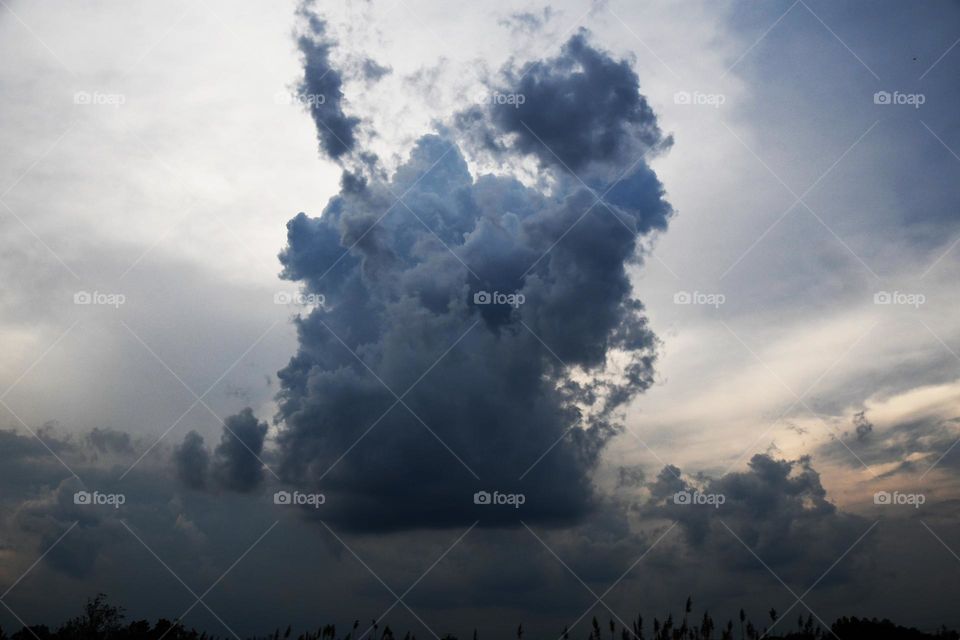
x=777, y=508
x=472, y=324
x=192, y=461
x=578, y=111
x=236, y=463
x=321, y=89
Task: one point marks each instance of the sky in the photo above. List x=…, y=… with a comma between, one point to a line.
x=292, y=289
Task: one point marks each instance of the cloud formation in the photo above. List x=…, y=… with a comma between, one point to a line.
x=576, y=111
x=236, y=463
x=778, y=508
x=477, y=333
x=322, y=88
x=192, y=461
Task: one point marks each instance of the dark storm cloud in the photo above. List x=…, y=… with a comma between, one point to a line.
x=778, y=508
x=501, y=572
x=576, y=111
x=192, y=461
x=491, y=399
x=39, y=505
x=236, y=464
x=47, y=518
x=772, y=503
x=322, y=88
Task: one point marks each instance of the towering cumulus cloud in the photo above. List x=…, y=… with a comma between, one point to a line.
x=478, y=334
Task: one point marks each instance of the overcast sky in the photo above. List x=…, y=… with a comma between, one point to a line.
x=776, y=183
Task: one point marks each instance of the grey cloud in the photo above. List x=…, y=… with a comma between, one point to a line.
x=778, y=508
x=580, y=111
x=236, y=464
x=46, y=519
x=498, y=389
x=372, y=71
x=192, y=461
x=336, y=131
x=110, y=441
x=494, y=575
x=632, y=476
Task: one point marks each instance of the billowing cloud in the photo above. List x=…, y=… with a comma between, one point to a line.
x=778, y=508
x=45, y=519
x=321, y=89
x=476, y=333
x=192, y=461
x=236, y=464
x=580, y=111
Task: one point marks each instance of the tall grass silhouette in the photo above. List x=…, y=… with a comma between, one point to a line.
x=101, y=620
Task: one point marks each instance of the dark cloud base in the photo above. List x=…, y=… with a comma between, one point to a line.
x=776, y=509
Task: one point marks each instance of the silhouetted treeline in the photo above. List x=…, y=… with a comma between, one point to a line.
x=103, y=621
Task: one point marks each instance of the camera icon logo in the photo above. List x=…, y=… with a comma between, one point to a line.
x=681, y=97
x=882, y=497
x=682, y=297
x=882, y=297
x=82, y=497
x=282, y=497
x=482, y=497
x=82, y=297
x=882, y=97
x=82, y=97
x=482, y=297
x=682, y=497
x=282, y=297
